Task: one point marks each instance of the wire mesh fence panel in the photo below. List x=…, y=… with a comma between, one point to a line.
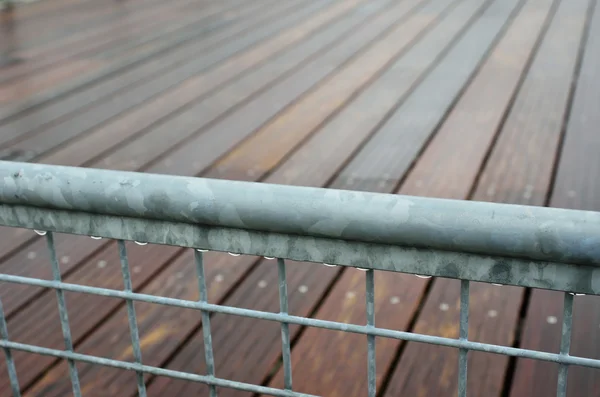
x=482, y=242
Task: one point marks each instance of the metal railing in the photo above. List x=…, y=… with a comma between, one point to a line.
x=471, y=241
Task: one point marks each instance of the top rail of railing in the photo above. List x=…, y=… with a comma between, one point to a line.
x=532, y=233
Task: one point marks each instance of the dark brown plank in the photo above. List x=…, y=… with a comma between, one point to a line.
x=576, y=187
x=156, y=355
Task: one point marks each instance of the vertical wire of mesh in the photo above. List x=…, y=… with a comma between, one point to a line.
x=63, y=314
x=565, y=344
x=285, y=331
x=208, y=348
x=133, y=327
x=463, y=336
x=371, y=354
x=10, y=362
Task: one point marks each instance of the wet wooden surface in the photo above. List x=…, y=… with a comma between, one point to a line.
x=492, y=100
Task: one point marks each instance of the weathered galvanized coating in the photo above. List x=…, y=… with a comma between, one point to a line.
x=494, y=229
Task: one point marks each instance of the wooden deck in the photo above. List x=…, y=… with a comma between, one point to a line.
x=494, y=100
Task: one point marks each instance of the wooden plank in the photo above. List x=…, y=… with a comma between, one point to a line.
x=182, y=328
x=60, y=108
x=222, y=88
x=469, y=130
x=575, y=187
x=60, y=133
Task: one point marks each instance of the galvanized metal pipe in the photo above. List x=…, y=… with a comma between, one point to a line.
x=558, y=235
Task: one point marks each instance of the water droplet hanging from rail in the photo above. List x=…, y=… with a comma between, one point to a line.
x=422, y=276
x=328, y=265
x=201, y=250
x=362, y=269
x=140, y=243
x=96, y=238
x=269, y=258
x=40, y=232
x=233, y=254
x=574, y=294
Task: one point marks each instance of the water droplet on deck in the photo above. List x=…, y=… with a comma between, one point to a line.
x=551, y=320
x=492, y=313
x=303, y=289
x=422, y=276
x=262, y=284
x=350, y=294
x=328, y=265
x=394, y=300
x=140, y=243
x=269, y=258
x=233, y=254
x=65, y=260
x=201, y=250
x=40, y=232
x=444, y=307
x=219, y=278
x=96, y=238
x=31, y=255
x=137, y=269
x=102, y=264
